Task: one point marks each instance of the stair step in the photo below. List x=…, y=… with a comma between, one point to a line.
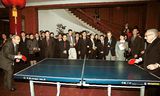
x=85, y=23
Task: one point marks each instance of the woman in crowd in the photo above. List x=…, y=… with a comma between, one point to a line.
x=121, y=48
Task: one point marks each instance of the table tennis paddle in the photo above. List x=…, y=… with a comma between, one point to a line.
x=131, y=61
x=24, y=58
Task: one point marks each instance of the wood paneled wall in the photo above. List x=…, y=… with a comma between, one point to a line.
x=144, y=15
x=30, y=15
x=4, y=27
x=153, y=15
x=118, y=16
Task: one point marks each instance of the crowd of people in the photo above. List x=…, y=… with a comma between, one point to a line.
x=71, y=46
x=82, y=45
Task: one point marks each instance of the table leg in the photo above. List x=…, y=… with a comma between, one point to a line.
x=109, y=90
x=142, y=91
x=31, y=88
x=58, y=89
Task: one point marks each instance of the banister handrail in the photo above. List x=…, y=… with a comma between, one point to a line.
x=97, y=23
x=92, y=18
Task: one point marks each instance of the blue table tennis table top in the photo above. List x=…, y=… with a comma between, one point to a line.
x=95, y=72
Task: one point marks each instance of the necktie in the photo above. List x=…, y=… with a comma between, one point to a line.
x=93, y=44
x=71, y=40
x=109, y=41
x=64, y=44
x=15, y=49
x=47, y=42
x=102, y=42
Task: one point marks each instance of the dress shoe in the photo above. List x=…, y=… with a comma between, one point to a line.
x=12, y=89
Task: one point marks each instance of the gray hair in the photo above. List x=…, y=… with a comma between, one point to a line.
x=14, y=36
x=154, y=31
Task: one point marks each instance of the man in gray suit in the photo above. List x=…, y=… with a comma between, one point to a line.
x=8, y=55
x=72, y=50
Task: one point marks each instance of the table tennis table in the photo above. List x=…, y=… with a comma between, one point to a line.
x=90, y=73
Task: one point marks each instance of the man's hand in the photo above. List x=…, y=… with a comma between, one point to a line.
x=101, y=52
x=65, y=51
x=135, y=56
x=138, y=60
x=153, y=66
x=18, y=56
x=17, y=60
x=142, y=52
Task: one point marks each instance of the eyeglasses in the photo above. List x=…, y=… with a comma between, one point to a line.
x=148, y=35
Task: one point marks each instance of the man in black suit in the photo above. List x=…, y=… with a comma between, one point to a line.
x=64, y=47
x=101, y=48
x=152, y=52
x=23, y=45
x=84, y=46
x=22, y=48
x=136, y=44
x=48, y=46
x=7, y=56
x=152, y=58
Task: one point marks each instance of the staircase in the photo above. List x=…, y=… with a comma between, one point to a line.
x=98, y=24
x=93, y=29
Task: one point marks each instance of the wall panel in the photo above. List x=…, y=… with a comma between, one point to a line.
x=153, y=16
x=118, y=16
x=31, y=20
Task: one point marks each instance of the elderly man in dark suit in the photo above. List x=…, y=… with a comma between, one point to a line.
x=7, y=56
x=152, y=52
x=152, y=58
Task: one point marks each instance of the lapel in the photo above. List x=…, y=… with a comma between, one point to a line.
x=150, y=46
x=14, y=48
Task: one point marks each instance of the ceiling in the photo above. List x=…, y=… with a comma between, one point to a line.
x=51, y=2
x=4, y=12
